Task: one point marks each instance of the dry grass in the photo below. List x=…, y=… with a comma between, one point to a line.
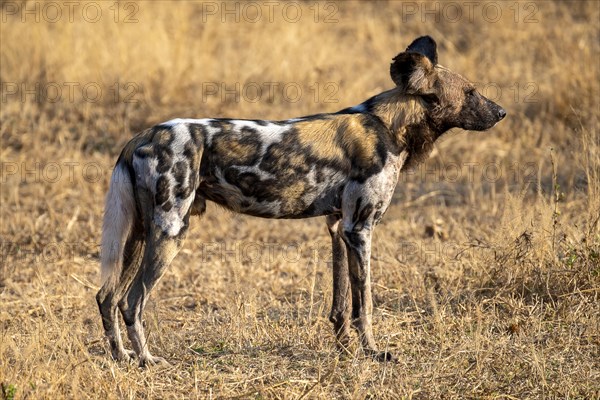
x=486, y=285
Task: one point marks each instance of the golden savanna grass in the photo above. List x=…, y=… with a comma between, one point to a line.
x=486, y=268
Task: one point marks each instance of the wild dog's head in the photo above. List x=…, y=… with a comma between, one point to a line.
x=451, y=100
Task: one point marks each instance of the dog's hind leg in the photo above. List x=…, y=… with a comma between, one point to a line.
x=113, y=289
x=342, y=302
x=120, y=254
x=159, y=251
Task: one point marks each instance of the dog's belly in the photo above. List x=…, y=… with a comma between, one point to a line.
x=251, y=192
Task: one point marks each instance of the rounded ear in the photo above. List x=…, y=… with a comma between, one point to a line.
x=413, y=72
x=425, y=45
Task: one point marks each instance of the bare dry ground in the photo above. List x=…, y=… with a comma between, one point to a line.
x=486, y=268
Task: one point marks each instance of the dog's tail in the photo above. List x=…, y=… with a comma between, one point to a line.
x=119, y=214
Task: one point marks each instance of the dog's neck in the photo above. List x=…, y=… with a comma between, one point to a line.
x=406, y=118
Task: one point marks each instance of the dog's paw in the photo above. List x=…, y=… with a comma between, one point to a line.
x=385, y=356
x=124, y=355
x=381, y=356
x=150, y=360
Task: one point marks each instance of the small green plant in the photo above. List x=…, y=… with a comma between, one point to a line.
x=8, y=391
x=571, y=258
x=220, y=348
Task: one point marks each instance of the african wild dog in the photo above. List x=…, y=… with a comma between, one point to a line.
x=344, y=166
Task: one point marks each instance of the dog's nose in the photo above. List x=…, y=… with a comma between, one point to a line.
x=502, y=113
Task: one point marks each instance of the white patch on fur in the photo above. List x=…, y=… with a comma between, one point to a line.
x=263, y=175
x=360, y=108
x=182, y=136
x=171, y=221
x=145, y=171
x=119, y=213
x=269, y=133
x=377, y=188
x=177, y=121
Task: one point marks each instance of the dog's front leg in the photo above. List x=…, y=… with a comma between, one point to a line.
x=363, y=205
x=340, y=306
x=359, y=251
x=358, y=243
